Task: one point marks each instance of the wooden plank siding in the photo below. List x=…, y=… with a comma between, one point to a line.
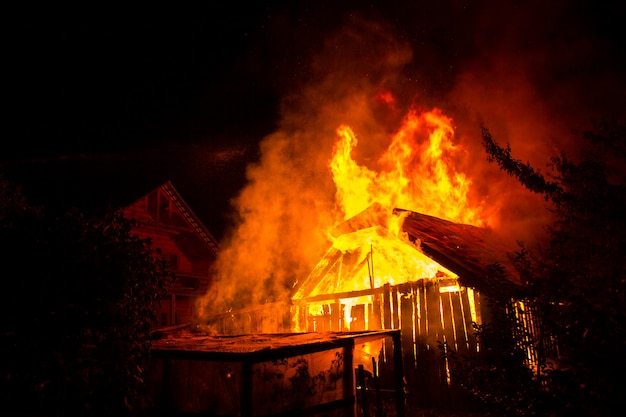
x=427, y=313
x=163, y=217
x=425, y=316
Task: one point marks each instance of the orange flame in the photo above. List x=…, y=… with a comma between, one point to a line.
x=416, y=172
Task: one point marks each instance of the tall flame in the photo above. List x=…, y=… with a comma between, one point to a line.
x=416, y=172
x=311, y=177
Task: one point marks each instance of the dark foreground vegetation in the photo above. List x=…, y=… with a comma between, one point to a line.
x=77, y=310
x=576, y=283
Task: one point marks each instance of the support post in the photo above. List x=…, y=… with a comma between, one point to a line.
x=399, y=373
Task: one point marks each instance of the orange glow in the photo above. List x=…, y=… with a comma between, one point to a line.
x=370, y=258
x=344, y=143
x=363, y=260
x=416, y=172
x=387, y=98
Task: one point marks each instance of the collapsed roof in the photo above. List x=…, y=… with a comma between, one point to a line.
x=469, y=251
x=358, y=259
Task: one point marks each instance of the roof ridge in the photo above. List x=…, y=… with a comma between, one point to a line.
x=190, y=216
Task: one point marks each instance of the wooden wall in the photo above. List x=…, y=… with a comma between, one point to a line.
x=429, y=314
x=432, y=316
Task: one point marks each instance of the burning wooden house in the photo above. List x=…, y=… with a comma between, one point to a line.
x=346, y=290
x=394, y=269
x=429, y=280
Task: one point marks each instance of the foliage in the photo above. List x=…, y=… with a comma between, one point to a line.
x=576, y=283
x=498, y=376
x=80, y=296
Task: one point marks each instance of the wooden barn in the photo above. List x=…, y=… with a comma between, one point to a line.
x=431, y=282
x=163, y=216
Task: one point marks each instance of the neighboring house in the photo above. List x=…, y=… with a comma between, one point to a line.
x=164, y=217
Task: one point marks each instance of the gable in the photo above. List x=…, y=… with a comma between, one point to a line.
x=164, y=211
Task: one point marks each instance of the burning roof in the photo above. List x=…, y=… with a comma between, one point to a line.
x=366, y=259
x=469, y=251
x=366, y=254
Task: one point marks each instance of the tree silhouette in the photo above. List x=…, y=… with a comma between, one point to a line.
x=78, y=306
x=577, y=280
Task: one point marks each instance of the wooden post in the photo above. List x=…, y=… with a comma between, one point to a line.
x=246, y=389
x=363, y=397
x=335, y=316
x=461, y=335
x=435, y=335
x=375, y=318
x=387, y=318
x=420, y=397
x=379, y=401
x=394, y=303
x=467, y=316
x=450, y=345
x=448, y=319
x=386, y=307
x=349, y=387
x=399, y=373
x=407, y=306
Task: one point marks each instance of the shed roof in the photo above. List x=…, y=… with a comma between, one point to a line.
x=469, y=251
x=465, y=250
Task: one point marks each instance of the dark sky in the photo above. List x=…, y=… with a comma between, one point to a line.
x=105, y=104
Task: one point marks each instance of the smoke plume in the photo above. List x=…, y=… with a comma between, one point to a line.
x=513, y=71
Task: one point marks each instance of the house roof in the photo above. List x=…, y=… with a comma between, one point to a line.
x=366, y=259
x=190, y=216
x=465, y=250
x=187, y=216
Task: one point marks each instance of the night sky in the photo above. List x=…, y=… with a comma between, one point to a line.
x=105, y=104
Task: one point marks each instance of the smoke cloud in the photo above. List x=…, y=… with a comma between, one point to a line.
x=530, y=75
x=287, y=209
x=538, y=74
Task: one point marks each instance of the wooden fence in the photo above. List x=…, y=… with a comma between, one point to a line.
x=432, y=316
